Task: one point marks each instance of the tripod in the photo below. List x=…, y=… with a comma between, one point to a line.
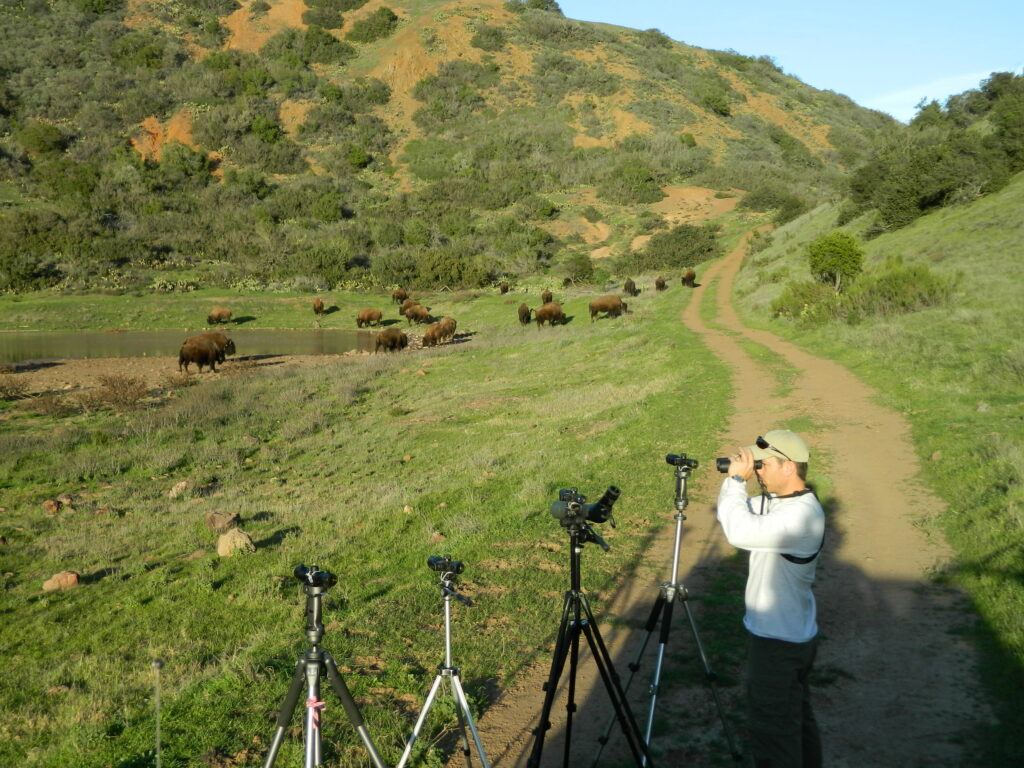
x=577, y=618
x=447, y=672
x=668, y=593
x=309, y=670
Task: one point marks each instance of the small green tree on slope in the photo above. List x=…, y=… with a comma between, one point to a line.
x=834, y=257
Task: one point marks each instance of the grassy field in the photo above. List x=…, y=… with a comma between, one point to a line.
x=364, y=468
x=957, y=373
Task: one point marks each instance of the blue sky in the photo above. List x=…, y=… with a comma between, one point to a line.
x=883, y=55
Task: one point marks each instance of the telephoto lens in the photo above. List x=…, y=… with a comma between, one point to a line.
x=722, y=464
x=315, y=577
x=680, y=460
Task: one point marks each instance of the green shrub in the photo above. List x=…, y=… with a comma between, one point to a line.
x=591, y=214
x=379, y=24
x=768, y=196
x=835, y=257
x=630, y=181
x=41, y=138
x=518, y=6
x=687, y=140
x=361, y=95
x=807, y=302
x=555, y=29
x=452, y=94
x=654, y=38
x=138, y=50
x=321, y=47
x=536, y=207
x=685, y=245
x=577, y=267
x=327, y=18
x=895, y=289
x=488, y=38
x=716, y=101
x=260, y=7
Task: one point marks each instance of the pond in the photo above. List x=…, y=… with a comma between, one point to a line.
x=23, y=346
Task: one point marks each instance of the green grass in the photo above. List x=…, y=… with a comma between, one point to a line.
x=957, y=373
x=322, y=465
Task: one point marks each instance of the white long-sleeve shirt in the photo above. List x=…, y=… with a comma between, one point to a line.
x=779, y=600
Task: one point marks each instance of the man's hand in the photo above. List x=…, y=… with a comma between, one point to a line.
x=742, y=463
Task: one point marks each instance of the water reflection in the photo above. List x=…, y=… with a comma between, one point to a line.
x=22, y=346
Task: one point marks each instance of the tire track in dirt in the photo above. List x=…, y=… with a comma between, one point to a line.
x=896, y=686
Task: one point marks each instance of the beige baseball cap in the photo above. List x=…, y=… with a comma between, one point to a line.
x=781, y=444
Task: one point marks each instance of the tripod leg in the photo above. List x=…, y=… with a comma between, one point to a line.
x=649, y=626
x=570, y=704
x=666, y=626
x=611, y=682
x=557, y=664
x=420, y=721
x=284, y=715
x=711, y=678
x=463, y=702
x=351, y=708
x=313, y=707
x=463, y=736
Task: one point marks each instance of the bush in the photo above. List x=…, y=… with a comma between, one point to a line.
x=12, y=387
x=327, y=18
x=377, y=25
x=536, y=207
x=591, y=214
x=685, y=245
x=518, y=6
x=807, y=302
x=41, y=138
x=835, y=256
x=321, y=47
x=896, y=289
x=578, y=267
x=488, y=38
x=260, y=8
x=630, y=181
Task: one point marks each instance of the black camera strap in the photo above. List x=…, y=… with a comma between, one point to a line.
x=795, y=558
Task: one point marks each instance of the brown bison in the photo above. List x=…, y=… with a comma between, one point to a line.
x=418, y=314
x=399, y=295
x=218, y=315
x=524, y=314
x=368, y=317
x=433, y=335
x=390, y=340
x=611, y=305
x=660, y=284
x=690, y=278
x=318, y=306
x=629, y=287
x=409, y=303
x=447, y=327
x=546, y=297
x=225, y=346
x=503, y=287
x=199, y=350
x=550, y=313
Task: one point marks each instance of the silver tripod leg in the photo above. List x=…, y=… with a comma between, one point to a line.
x=420, y=721
x=460, y=697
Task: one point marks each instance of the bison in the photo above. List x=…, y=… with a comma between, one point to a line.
x=611, y=305
x=199, y=350
x=447, y=327
x=368, y=317
x=218, y=315
x=318, y=306
x=660, y=284
x=550, y=313
x=225, y=346
x=524, y=314
x=503, y=287
x=629, y=287
x=546, y=297
x=690, y=278
x=390, y=340
x=399, y=295
x=418, y=314
x=433, y=335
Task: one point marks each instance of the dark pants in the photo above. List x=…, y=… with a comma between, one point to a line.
x=783, y=732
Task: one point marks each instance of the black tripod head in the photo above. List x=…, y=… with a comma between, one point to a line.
x=684, y=466
x=449, y=570
x=315, y=582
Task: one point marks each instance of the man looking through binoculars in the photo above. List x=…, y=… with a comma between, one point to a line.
x=783, y=529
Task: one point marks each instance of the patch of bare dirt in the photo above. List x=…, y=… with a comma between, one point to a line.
x=249, y=34
x=591, y=232
x=292, y=114
x=154, y=135
x=897, y=683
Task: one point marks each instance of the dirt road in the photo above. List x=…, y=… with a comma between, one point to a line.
x=896, y=685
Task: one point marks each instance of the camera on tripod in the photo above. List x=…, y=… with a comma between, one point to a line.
x=314, y=577
x=445, y=564
x=681, y=460
x=572, y=508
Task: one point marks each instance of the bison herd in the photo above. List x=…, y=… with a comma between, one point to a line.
x=209, y=348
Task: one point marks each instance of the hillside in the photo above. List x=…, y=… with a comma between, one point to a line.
x=430, y=143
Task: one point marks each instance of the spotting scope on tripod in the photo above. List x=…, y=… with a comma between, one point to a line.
x=309, y=670
x=576, y=516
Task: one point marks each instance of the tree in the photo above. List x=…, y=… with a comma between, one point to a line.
x=835, y=256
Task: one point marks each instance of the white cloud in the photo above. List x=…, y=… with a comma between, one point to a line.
x=901, y=104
